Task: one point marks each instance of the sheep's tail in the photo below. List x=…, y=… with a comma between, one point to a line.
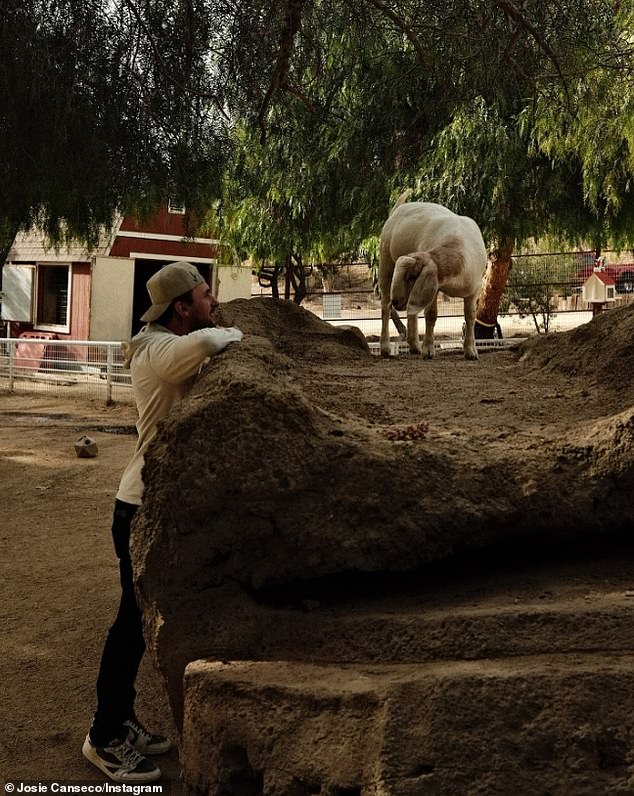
x=402, y=198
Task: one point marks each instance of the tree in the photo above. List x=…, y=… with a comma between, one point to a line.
x=598, y=138
x=538, y=169
x=346, y=118
x=326, y=109
x=535, y=285
x=102, y=111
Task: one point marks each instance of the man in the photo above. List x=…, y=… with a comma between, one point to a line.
x=164, y=360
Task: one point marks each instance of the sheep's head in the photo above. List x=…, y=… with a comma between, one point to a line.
x=407, y=269
x=403, y=281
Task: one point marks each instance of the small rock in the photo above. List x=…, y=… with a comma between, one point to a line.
x=86, y=448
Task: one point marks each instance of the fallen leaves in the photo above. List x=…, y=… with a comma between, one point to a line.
x=408, y=433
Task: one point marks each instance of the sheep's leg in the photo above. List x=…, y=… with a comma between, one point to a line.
x=385, y=329
x=470, y=350
x=384, y=281
x=431, y=314
x=412, y=333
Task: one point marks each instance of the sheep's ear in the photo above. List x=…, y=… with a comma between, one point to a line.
x=408, y=266
x=418, y=262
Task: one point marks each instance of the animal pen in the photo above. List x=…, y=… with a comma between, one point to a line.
x=544, y=294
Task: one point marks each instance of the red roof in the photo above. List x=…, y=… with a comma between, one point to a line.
x=603, y=277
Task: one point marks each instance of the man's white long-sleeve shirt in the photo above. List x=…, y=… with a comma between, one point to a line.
x=163, y=366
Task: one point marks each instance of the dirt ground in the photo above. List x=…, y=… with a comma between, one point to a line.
x=58, y=591
x=59, y=586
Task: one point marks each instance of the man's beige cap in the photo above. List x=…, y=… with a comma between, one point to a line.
x=170, y=282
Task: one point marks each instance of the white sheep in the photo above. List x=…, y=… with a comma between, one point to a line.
x=425, y=248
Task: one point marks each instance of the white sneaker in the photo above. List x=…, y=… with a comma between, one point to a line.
x=121, y=761
x=148, y=743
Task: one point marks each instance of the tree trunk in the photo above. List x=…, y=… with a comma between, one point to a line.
x=493, y=284
x=298, y=277
x=288, y=265
x=268, y=276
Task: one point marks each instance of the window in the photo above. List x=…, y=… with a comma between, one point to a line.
x=53, y=297
x=174, y=206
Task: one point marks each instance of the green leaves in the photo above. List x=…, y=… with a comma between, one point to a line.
x=499, y=110
x=99, y=113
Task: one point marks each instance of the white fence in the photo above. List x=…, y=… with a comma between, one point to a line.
x=73, y=368
x=363, y=310
x=94, y=370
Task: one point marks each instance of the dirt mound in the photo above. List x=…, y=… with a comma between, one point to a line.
x=293, y=330
x=269, y=481
x=600, y=352
x=494, y=420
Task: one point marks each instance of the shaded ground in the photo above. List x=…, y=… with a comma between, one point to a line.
x=58, y=591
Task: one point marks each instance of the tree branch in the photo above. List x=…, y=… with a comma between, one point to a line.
x=515, y=14
x=400, y=23
x=162, y=65
x=292, y=25
x=297, y=93
x=506, y=55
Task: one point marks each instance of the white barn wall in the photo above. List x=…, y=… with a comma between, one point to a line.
x=233, y=282
x=112, y=291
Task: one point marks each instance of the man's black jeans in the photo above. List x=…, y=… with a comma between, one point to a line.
x=124, y=645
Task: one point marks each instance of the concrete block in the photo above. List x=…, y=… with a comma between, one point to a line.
x=538, y=726
x=86, y=447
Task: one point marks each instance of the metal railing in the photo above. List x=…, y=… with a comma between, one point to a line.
x=74, y=368
x=543, y=294
x=362, y=309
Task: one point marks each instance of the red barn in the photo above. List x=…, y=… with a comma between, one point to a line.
x=80, y=294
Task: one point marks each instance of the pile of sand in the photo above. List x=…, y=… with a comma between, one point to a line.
x=293, y=330
x=253, y=485
x=601, y=351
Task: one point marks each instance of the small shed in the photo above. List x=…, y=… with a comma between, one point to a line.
x=599, y=288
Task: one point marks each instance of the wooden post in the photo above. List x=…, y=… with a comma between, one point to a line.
x=597, y=307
